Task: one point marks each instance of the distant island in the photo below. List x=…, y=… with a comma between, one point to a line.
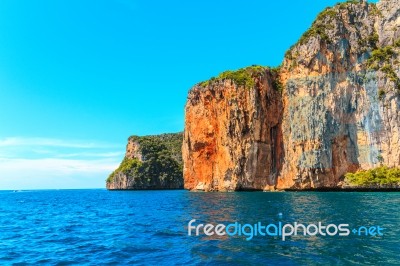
x=150, y=162
x=328, y=118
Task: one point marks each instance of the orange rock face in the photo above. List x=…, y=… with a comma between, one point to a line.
x=232, y=136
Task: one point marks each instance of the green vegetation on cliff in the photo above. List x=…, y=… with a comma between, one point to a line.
x=370, y=41
x=318, y=28
x=245, y=77
x=346, y=4
x=324, y=23
x=381, y=176
x=241, y=77
x=379, y=56
x=128, y=167
x=380, y=60
x=161, y=161
x=321, y=24
x=164, y=144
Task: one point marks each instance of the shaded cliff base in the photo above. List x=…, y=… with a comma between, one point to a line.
x=321, y=189
x=381, y=178
x=354, y=189
x=144, y=189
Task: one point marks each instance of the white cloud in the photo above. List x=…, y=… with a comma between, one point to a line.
x=57, y=166
x=49, y=142
x=32, y=163
x=93, y=154
x=54, y=173
x=34, y=148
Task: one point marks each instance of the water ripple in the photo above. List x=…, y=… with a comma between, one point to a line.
x=90, y=227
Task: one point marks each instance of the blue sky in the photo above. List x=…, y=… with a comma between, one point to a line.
x=77, y=78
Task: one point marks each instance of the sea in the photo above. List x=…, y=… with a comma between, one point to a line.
x=100, y=227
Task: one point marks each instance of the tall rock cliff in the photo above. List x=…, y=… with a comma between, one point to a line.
x=332, y=107
x=232, y=125
x=150, y=162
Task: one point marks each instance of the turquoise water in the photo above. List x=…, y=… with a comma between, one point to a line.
x=62, y=227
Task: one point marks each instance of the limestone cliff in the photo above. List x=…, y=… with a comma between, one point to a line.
x=332, y=107
x=230, y=129
x=150, y=162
